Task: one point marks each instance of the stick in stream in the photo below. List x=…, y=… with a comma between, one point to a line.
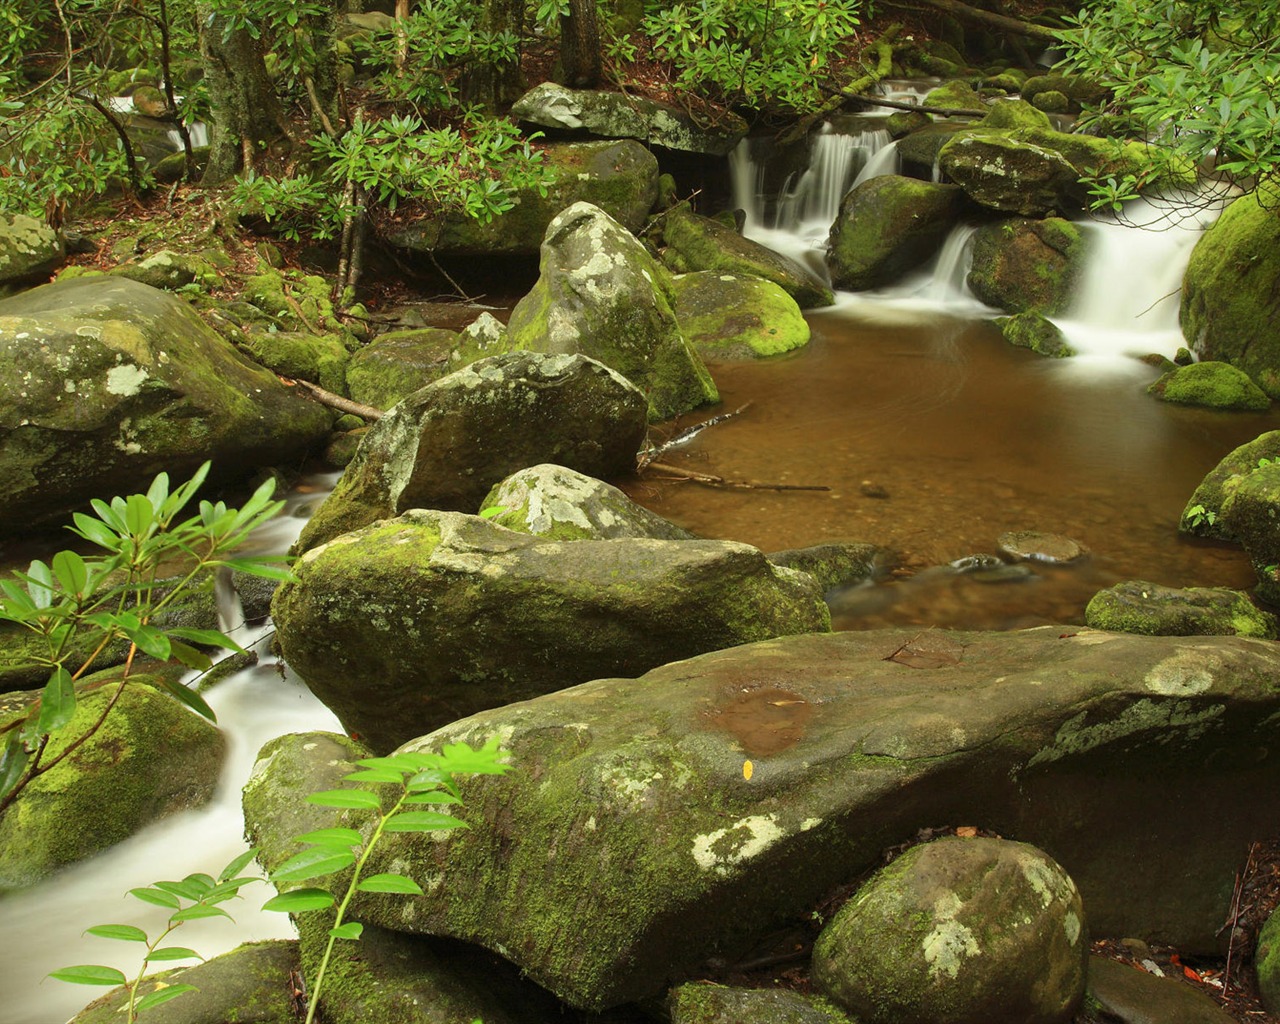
x=741, y=485
x=333, y=401
x=645, y=458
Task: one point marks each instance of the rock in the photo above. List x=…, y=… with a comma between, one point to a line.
x=726, y=316
x=1051, y=102
x=1203, y=514
x=629, y=845
x=109, y=382
x=1021, y=264
x=954, y=96
x=889, y=225
x=959, y=930
x=28, y=249
x=905, y=122
x=396, y=364
x=151, y=758
x=1035, y=546
x=1267, y=963
x=1015, y=114
x=612, y=115
x=1078, y=90
x=600, y=293
x=446, y=445
x=701, y=1002
x=170, y=270
x=294, y=301
x=321, y=359
x=1213, y=385
x=1231, y=292
x=1038, y=333
x=247, y=985
x=1127, y=995
x=837, y=564
x=342, y=447
x=413, y=622
x=1252, y=515
x=619, y=177
x=560, y=504
x=1137, y=606
x=1009, y=174
x=700, y=243
x=918, y=152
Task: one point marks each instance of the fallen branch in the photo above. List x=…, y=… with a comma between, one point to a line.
x=974, y=14
x=883, y=48
x=741, y=485
x=645, y=458
x=924, y=108
x=333, y=401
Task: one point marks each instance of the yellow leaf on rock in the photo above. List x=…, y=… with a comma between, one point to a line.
x=747, y=770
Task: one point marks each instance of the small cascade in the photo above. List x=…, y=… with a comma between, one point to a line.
x=833, y=170
x=197, y=130
x=885, y=161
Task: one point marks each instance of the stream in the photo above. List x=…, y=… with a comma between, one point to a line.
x=933, y=436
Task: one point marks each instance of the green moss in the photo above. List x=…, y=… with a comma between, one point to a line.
x=321, y=360
x=1213, y=385
x=1033, y=331
x=1138, y=606
x=1014, y=114
x=725, y=316
x=398, y=363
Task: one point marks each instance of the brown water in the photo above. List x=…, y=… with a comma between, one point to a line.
x=969, y=438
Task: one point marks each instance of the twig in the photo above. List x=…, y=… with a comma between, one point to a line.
x=741, y=485
x=688, y=434
x=924, y=108
x=333, y=401
x=1234, y=918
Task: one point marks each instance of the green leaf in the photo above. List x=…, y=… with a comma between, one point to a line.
x=237, y=865
x=350, y=930
x=173, y=953
x=191, y=657
x=314, y=863
x=347, y=836
x=57, y=701
x=139, y=516
x=421, y=821
x=39, y=584
x=208, y=637
x=123, y=932
x=150, y=641
x=162, y=995
x=184, y=889
x=95, y=531
x=390, y=883
x=198, y=911
x=346, y=798
x=258, y=567
x=89, y=974
x=71, y=572
x=375, y=775
x=13, y=762
x=156, y=896
x=299, y=901
x=188, y=696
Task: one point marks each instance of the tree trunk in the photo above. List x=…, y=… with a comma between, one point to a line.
x=580, y=44
x=997, y=21
x=495, y=86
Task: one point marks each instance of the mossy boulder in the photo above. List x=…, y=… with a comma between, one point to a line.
x=918, y=152
x=446, y=445
x=956, y=95
x=413, y=622
x=29, y=248
x=614, y=115
x=904, y=122
x=636, y=792
x=1203, y=514
x=561, y=504
x=1231, y=292
x=1252, y=515
x=887, y=226
x=294, y=301
x=1021, y=264
x=701, y=1002
x=729, y=316
x=1036, y=332
x=960, y=930
x=151, y=758
x=837, y=564
x=1213, y=385
x=1267, y=962
x=619, y=177
x=171, y=270
x=1078, y=90
x=1014, y=114
x=1138, y=606
x=699, y=243
x=110, y=381
x=398, y=363
x=601, y=294
x=321, y=359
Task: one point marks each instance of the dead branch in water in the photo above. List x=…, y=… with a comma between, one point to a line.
x=333, y=401
x=676, y=473
x=646, y=457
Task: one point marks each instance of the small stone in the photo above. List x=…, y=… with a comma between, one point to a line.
x=1034, y=546
x=871, y=489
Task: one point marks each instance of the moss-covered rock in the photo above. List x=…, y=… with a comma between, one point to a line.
x=957, y=95
x=838, y=564
x=321, y=359
x=561, y=504
x=601, y=294
x=1231, y=292
x=109, y=381
x=1214, y=385
x=1014, y=114
x=700, y=243
x=295, y=301
x=416, y=621
x=903, y=122
x=705, y=1003
x=1251, y=514
x=171, y=270
x=152, y=757
x=1137, y=606
x=28, y=248
x=1079, y=90
x=1020, y=264
x=889, y=225
x=1267, y=962
x=619, y=177
x=398, y=363
x=918, y=152
x=342, y=447
x=1038, y=333
x=445, y=446
x=1203, y=514
x=727, y=316
x=1123, y=992
x=962, y=930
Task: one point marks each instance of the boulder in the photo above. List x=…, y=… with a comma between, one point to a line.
x=1038, y=546
x=560, y=504
x=612, y=115
x=956, y=95
x=446, y=445
x=1036, y=332
x=1213, y=385
x=1020, y=264
x=1014, y=114
x=704, y=1003
x=966, y=931
x=634, y=841
x=398, y=363
x=110, y=381
x=600, y=293
x=29, y=248
x=619, y=177
x=416, y=621
x=151, y=758
x=837, y=564
x=918, y=152
x=170, y=270
x=1130, y=995
x=889, y=225
x=1203, y=514
x=1004, y=173
x=700, y=243
x=1078, y=90
x=1252, y=516
x=1137, y=606
x=1267, y=962
x=730, y=316
x=1231, y=292
x=321, y=359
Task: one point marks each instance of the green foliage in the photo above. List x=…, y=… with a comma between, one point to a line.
x=757, y=53
x=1198, y=515
x=73, y=604
x=1200, y=79
x=196, y=896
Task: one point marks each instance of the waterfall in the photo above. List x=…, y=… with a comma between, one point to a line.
x=886, y=161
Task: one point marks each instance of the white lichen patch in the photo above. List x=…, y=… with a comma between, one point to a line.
x=809, y=823
x=724, y=849
x=1183, y=674
x=126, y=380
x=1071, y=925
x=1048, y=885
x=1163, y=718
x=949, y=942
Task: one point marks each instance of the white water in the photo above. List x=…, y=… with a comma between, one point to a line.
x=43, y=926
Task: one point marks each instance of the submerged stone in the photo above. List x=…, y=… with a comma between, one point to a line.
x=1137, y=606
x=1035, y=546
